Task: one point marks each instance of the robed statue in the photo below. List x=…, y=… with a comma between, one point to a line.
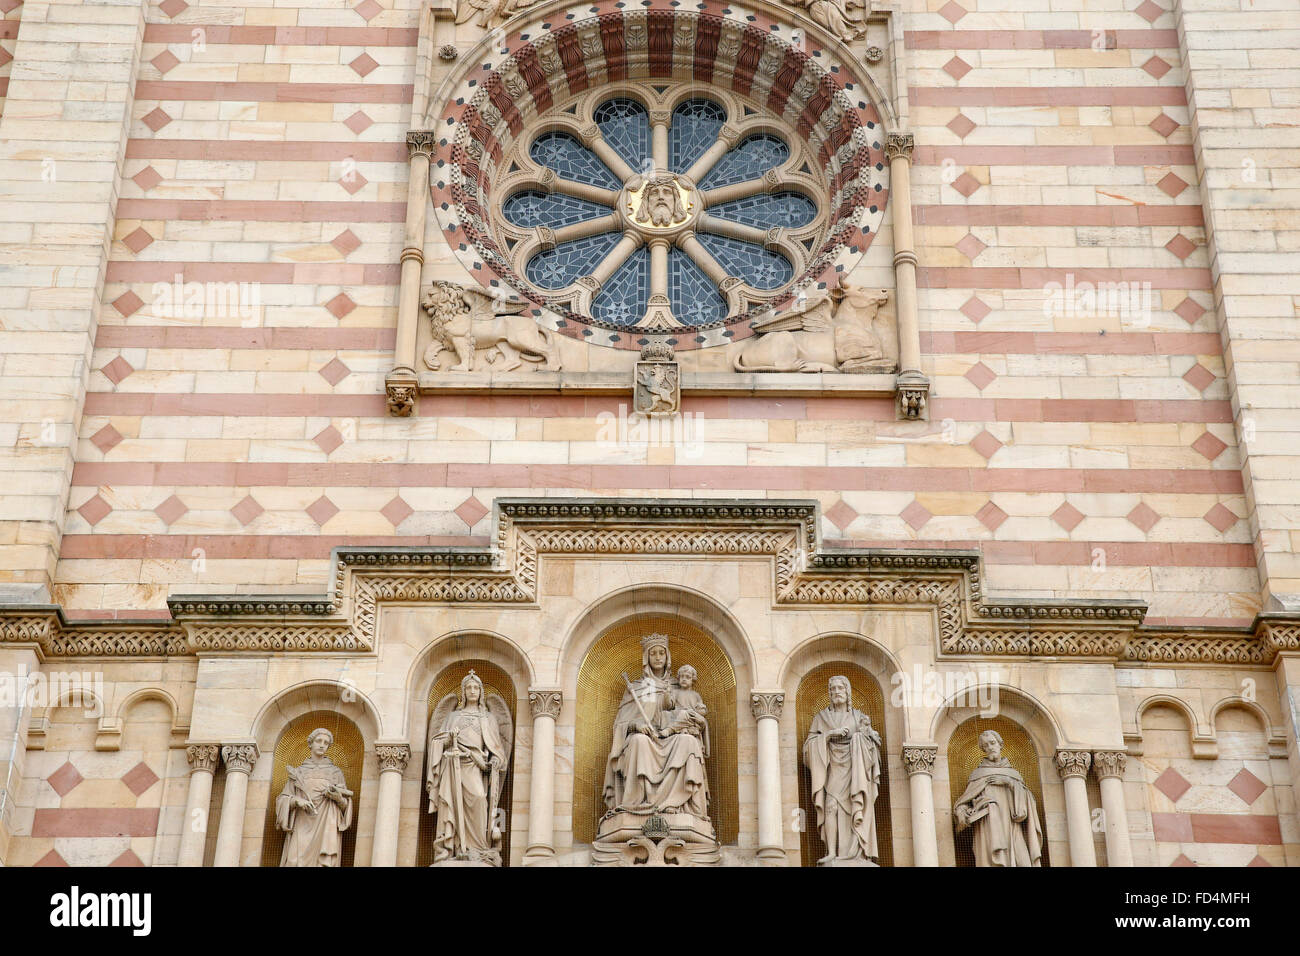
x=1001, y=811
x=315, y=808
x=660, y=740
x=842, y=753
x=470, y=735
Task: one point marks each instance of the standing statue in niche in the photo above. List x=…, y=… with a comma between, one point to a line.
x=469, y=741
x=842, y=753
x=1001, y=809
x=656, y=790
x=315, y=807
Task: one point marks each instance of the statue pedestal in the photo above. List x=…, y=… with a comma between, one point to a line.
x=650, y=838
x=835, y=861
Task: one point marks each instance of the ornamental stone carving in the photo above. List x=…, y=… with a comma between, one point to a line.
x=657, y=388
x=400, y=397
x=842, y=753
x=1073, y=763
x=899, y=145
x=469, y=742
x=656, y=790
x=919, y=760
x=239, y=758
x=545, y=703
x=766, y=704
x=1109, y=763
x=830, y=331
x=846, y=19
x=468, y=321
x=393, y=757
x=314, y=808
x=202, y=757
x=1001, y=810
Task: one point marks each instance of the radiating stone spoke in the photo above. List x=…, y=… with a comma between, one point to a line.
x=721, y=194
x=581, y=230
x=734, y=230
x=569, y=187
x=702, y=258
x=617, y=256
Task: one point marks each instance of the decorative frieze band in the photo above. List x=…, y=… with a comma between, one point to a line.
x=544, y=702
x=527, y=528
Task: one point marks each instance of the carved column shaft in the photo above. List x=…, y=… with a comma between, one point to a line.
x=766, y=707
x=420, y=144
x=1109, y=766
x=545, y=705
x=1073, y=767
x=919, y=764
x=898, y=148
x=194, y=828
x=239, y=759
x=393, y=759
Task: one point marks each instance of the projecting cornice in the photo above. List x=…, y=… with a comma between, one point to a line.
x=970, y=624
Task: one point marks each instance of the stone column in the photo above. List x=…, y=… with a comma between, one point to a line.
x=1073, y=765
x=239, y=759
x=913, y=386
x=401, y=381
x=194, y=829
x=393, y=759
x=1109, y=766
x=545, y=706
x=919, y=764
x=766, y=706
x=659, y=139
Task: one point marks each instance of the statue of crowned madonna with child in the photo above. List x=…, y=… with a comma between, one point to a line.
x=656, y=790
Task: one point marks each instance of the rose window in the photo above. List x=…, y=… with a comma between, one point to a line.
x=640, y=209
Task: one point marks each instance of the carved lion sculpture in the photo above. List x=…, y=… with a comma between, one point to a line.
x=830, y=332
x=465, y=319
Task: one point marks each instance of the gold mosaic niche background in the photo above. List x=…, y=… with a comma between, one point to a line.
x=964, y=755
x=812, y=696
x=495, y=681
x=348, y=751
x=600, y=689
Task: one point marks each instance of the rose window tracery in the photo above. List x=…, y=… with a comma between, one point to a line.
x=644, y=211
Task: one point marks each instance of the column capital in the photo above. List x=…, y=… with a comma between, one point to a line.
x=240, y=758
x=393, y=757
x=203, y=757
x=920, y=759
x=545, y=702
x=1109, y=763
x=421, y=142
x=899, y=146
x=766, y=703
x=1073, y=763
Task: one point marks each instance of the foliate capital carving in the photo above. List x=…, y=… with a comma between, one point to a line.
x=1109, y=763
x=899, y=145
x=660, y=117
x=203, y=757
x=393, y=757
x=912, y=401
x=767, y=703
x=589, y=134
x=421, y=142
x=1073, y=763
x=919, y=759
x=239, y=758
x=729, y=135
x=544, y=702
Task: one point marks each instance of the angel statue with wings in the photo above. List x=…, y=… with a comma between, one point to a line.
x=470, y=735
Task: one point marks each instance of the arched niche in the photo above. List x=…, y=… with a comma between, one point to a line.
x=435, y=672
x=813, y=695
x=1030, y=738
x=495, y=681
x=348, y=751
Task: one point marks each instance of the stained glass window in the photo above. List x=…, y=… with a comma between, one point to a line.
x=764, y=211
x=752, y=157
x=694, y=129
x=567, y=262
x=570, y=159
x=626, y=294
x=695, y=299
x=761, y=268
x=531, y=208
x=625, y=126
